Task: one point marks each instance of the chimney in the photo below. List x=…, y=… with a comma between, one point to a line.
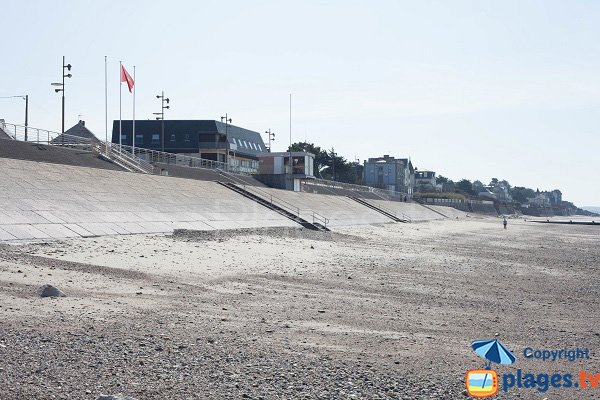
x=81, y=122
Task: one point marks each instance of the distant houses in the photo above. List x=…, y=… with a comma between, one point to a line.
x=390, y=173
x=425, y=181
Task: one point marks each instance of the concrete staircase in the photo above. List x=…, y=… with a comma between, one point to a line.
x=123, y=158
x=319, y=223
x=385, y=211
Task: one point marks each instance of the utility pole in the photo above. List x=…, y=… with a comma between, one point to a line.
x=62, y=89
x=26, y=114
x=333, y=162
x=227, y=122
x=163, y=100
x=271, y=136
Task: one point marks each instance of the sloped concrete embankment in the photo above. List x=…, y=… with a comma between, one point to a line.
x=50, y=201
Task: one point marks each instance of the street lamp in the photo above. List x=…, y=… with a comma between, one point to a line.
x=163, y=100
x=271, y=137
x=62, y=89
x=333, y=163
x=227, y=122
x=26, y=98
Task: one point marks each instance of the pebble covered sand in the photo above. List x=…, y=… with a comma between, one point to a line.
x=370, y=312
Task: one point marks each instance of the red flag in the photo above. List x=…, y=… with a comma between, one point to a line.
x=125, y=77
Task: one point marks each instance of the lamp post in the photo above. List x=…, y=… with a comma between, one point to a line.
x=62, y=89
x=271, y=136
x=227, y=122
x=163, y=100
x=26, y=98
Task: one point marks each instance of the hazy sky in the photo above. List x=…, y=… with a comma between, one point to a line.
x=470, y=89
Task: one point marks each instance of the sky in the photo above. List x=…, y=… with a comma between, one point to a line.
x=470, y=89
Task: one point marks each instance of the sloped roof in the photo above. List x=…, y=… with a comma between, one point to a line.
x=4, y=135
x=78, y=130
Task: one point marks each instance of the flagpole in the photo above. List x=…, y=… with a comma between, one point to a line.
x=106, y=104
x=120, y=120
x=291, y=170
x=134, y=84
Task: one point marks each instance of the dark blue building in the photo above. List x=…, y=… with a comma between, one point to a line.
x=208, y=139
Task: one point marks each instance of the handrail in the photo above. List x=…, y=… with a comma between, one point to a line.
x=284, y=204
x=357, y=188
x=140, y=163
x=44, y=136
x=317, y=217
x=157, y=156
x=399, y=215
x=116, y=153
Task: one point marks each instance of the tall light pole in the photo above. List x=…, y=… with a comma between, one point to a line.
x=227, y=122
x=271, y=137
x=26, y=98
x=163, y=100
x=62, y=89
x=291, y=171
x=333, y=162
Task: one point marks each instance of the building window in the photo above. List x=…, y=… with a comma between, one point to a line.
x=139, y=138
x=172, y=137
x=155, y=138
x=123, y=137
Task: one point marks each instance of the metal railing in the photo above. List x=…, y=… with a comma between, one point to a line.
x=156, y=156
x=122, y=155
x=283, y=204
x=398, y=215
x=382, y=193
x=339, y=185
x=43, y=136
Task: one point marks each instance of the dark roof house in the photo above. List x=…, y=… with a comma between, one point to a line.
x=3, y=134
x=78, y=130
x=211, y=139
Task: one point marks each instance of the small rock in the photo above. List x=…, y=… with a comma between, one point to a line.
x=49, y=291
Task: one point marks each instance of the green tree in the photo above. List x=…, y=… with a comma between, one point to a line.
x=505, y=183
x=349, y=172
x=520, y=194
x=465, y=185
x=441, y=179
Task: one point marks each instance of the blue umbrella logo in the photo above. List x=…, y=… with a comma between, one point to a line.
x=494, y=352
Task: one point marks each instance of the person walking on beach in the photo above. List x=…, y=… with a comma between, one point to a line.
x=504, y=222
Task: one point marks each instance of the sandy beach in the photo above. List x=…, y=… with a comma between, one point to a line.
x=371, y=312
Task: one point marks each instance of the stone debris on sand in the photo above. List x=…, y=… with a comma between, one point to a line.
x=50, y=291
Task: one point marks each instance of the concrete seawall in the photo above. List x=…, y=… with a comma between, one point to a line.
x=46, y=201
x=41, y=200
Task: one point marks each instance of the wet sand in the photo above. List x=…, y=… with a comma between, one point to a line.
x=371, y=312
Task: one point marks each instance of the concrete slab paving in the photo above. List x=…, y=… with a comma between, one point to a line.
x=56, y=231
x=70, y=200
x=25, y=232
x=6, y=236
